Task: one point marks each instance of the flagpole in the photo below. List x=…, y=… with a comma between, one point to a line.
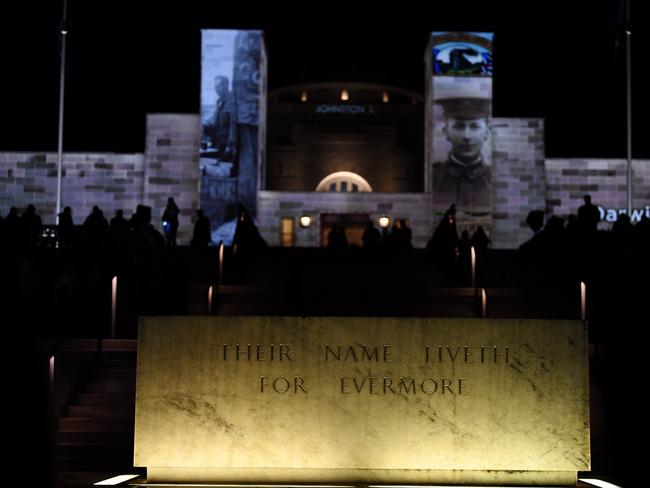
x=628, y=80
x=59, y=161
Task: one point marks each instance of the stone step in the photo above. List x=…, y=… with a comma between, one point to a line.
x=124, y=385
x=120, y=398
x=126, y=366
x=94, y=451
x=95, y=424
x=94, y=438
x=104, y=411
x=107, y=463
x=113, y=374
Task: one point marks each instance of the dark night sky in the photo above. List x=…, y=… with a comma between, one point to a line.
x=127, y=58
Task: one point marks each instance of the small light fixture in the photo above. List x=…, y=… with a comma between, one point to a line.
x=344, y=95
x=384, y=221
x=116, y=480
x=303, y=96
x=384, y=97
x=305, y=221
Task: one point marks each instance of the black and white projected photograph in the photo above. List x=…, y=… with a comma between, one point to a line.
x=231, y=91
x=463, y=177
x=461, y=111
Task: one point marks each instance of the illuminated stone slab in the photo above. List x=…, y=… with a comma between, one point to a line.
x=364, y=400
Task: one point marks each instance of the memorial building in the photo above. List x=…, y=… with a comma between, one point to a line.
x=289, y=364
x=336, y=153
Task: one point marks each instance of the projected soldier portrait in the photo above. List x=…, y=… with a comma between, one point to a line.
x=218, y=132
x=464, y=177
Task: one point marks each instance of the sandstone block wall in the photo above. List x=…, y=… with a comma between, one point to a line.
x=172, y=168
x=523, y=180
x=568, y=180
x=272, y=206
x=518, y=178
x=111, y=181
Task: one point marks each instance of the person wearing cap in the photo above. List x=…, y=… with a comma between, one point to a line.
x=463, y=178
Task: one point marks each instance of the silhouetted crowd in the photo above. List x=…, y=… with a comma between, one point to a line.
x=27, y=231
x=579, y=233
x=557, y=236
x=397, y=238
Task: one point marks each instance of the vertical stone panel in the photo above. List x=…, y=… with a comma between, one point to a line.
x=518, y=178
x=171, y=168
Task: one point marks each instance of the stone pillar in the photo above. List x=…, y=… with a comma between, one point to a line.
x=233, y=117
x=459, y=93
x=172, y=168
x=518, y=179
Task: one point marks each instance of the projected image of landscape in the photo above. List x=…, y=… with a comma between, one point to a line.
x=460, y=55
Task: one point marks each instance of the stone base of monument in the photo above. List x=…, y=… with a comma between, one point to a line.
x=362, y=401
x=359, y=477
x=141, y=482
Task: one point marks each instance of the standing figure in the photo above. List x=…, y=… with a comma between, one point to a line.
x=201, y=236
x=170, y=221
x=588, y=217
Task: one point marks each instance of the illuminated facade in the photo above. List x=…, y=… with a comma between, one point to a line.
x=339, y=153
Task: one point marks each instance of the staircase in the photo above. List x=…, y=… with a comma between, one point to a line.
x=95, y=431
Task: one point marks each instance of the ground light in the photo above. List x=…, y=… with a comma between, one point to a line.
x=123, y=478
x=116, y=480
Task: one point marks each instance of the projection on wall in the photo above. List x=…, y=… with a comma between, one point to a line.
x=462, y=55
x=233, y=75
x=461, y=70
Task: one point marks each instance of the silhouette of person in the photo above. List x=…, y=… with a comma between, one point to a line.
x=96, y=227
x=371, y=237
x=464, y=244
x=336, y=238
x=118, y=222
x=404, y=235
x=480, y=240
x=623, y=232
x=444, y=241
x=588, y=216
x=12, y=228
x=31, y=226
x=247, y=238
x=144, y=234
x=170, y=221
x=463, y=178
x=119, y=229
x=535, y=220
x=65, y=227
x=201, y=236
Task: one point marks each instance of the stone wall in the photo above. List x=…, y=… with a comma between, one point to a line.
x=111, y=181
x=568, y=180
x=518, y=178
x=172, y=168
x=272, y=206
x=522, y=180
